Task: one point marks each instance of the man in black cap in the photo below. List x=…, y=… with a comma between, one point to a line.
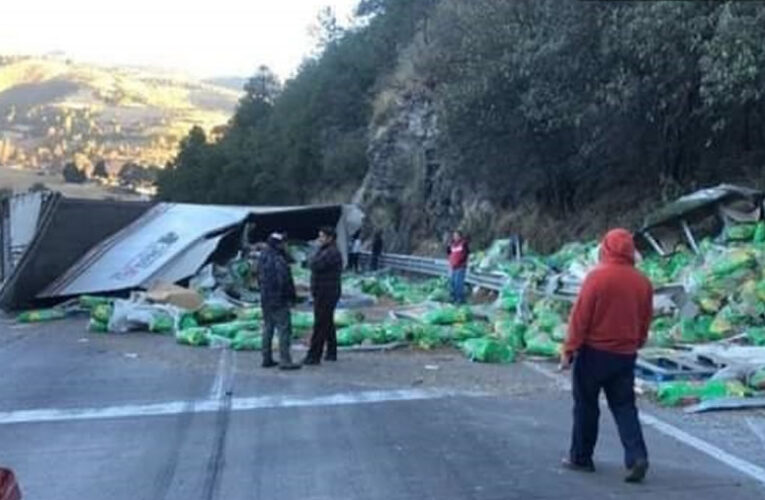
x=326, y=268
x=277, y=294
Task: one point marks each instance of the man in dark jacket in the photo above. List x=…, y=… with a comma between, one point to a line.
x=377, y=247
x=326, y=268
x=608, y=324
x=277, y=294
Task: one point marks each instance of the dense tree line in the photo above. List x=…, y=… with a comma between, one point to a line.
x=562, y=100
x=551, y=102
x=294, y=143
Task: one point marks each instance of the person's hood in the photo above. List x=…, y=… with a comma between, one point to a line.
x=617, y=247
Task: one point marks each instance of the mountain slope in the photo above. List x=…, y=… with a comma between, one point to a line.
x=53, y=110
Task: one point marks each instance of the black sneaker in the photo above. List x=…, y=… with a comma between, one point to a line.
x=270, y=363
x=290, y=366
x=636, y=473
x=330, y=358
x=311, y=361
x=577, y=467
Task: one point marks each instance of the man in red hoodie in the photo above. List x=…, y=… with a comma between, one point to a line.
x=458, y=252
x=608, y=324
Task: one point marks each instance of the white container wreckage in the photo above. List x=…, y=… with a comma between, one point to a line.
x=55, y=248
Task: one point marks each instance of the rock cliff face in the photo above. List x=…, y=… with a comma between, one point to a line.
x=408, y=191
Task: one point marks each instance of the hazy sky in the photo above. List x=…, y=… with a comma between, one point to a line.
x=204, y=38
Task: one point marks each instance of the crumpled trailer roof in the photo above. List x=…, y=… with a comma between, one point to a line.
x=117, y=246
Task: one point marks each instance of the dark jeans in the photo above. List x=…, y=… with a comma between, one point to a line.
x=374, y=262
x=281, y=320
x=615, y=374
x=457, y=285
x=323, y=327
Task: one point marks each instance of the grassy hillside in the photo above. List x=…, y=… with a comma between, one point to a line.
x=53, y=110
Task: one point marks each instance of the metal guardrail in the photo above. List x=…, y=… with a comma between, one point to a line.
x=556, y=286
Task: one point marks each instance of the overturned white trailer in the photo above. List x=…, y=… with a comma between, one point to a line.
x=56, y=247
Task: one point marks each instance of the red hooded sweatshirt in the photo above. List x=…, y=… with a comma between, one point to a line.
x=615, y=306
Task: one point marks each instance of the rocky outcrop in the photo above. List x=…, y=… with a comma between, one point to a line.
x=408, y=191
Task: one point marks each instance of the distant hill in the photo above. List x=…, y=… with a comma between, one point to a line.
x=229, y=82
x=53, y=110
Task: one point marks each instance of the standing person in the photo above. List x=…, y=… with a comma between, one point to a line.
x=277, y=294
x=353, y=255
x=459, y=252
x=377, y=246
x=326, y=269
x=515, y=248
x=608, y=324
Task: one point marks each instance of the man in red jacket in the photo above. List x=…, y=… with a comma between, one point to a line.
x=458, y=252
x=608, y=325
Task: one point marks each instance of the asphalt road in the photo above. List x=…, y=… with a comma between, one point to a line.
x=86, y=416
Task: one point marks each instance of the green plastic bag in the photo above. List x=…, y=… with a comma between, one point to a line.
x=427, y=336
x=91, y=301
x=756, y=379
x=376, y=333
x=759, y=233
x=372, y=286
x=230, y=330
x=96, y=326
x=250, y=313
x=192, y=336
x=102, y=312
x=734, y=261
x=448, y=315
x=247, y=340
x=511, y=331
x=213, y=313
x=756, y=336
x=487, y=350
x=542, y=345
x=692, y=330
x=509, y=298
x=560, y=332
x=397, y=331
x=349, y=336
x=741, y=232
x=709, y=304
x=472, y=330
x=659, y=335
x=41, y=315
x=684, y=393
x=439, y=295
x=344, y=317
x=162, y=323
x=302, y=320
x=186, y=321
x=725, y=323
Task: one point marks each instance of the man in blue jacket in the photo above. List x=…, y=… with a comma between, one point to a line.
x=277, y=294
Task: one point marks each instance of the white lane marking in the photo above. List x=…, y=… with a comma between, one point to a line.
x=216, y=391
x=561, y=381
x=212, y=405
x=756, y=428
x=755, y=472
